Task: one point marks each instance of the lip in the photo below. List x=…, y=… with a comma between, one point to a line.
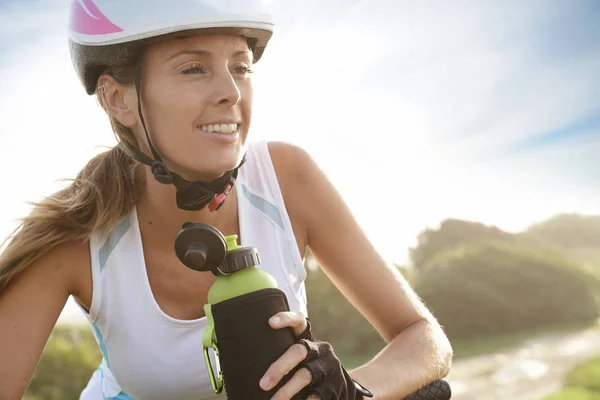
x=222, y=138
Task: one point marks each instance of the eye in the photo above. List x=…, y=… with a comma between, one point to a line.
x=243, y=69
x=194, y=69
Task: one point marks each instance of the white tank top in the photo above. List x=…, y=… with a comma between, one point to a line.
x=148, y=355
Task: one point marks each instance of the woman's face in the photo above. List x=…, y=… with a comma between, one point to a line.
x=197, y=103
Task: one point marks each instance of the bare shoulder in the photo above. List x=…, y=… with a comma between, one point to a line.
x=75, y=256
x=46, y=283
x=73, y=260
x=293, y=165
x=65, y=266
x=304, y=185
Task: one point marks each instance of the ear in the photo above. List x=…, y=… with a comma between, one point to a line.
x=120, y=100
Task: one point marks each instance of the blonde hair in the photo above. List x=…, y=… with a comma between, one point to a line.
x=96, y=199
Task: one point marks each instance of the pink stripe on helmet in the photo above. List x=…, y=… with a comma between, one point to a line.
x=87, y=19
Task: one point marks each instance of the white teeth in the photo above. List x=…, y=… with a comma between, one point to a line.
x=222, y=128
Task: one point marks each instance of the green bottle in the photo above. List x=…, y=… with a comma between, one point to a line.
x=240, y=302
x=229, y=285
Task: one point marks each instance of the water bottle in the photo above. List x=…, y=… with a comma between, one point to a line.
x=240, y=303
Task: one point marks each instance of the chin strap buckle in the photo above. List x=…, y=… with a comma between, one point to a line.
x=218, y=201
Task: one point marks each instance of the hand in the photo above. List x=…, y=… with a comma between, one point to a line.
x=289, y=360
x=315, y=365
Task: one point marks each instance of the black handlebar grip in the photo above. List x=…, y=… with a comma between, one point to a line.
x=436, y=390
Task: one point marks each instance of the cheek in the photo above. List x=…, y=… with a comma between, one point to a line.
x=174, y=106
x=247, y=89
x=247, y=95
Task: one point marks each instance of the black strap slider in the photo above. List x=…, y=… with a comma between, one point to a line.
x=161, y=173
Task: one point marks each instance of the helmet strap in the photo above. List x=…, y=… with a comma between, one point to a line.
x=191, y=196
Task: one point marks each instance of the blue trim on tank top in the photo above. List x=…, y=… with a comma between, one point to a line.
x=268, y=209
x=120, y=396
x=112, y=241
x=101, y=344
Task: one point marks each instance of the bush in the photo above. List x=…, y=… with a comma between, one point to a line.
x=567, y=230
x=492, y=287
x=450, y=233
x=582, y=382
x=586, y=375
x=70, y=357
x=574, y=394
x=335, y=320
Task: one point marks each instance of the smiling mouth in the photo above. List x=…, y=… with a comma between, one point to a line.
x=224, y=129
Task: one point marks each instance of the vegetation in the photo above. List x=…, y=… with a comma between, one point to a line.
x=582, y=382
x=335, y=320
x=451, y=233
x=574, y=394
x=494, y=288
x=69, y=359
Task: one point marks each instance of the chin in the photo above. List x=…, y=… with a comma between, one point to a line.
x=207, y=162
x=207, y=170
x=223, y=160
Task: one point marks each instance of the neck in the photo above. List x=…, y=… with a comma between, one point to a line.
x=192, y=176
x=158, y=211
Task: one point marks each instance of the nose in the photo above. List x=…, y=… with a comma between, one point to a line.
x=226, y=91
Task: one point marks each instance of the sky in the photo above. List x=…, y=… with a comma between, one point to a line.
x=416, y=110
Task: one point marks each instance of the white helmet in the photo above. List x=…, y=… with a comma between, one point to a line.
x=105, y=33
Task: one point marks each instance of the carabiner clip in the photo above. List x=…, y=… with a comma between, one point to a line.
x=216, y=382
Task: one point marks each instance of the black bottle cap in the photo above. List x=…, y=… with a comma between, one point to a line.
x=200, y=247
x=239, y=259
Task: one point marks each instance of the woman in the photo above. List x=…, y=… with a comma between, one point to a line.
x=175, y=81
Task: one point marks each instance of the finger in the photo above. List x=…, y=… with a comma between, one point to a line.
x=299, y=381
x=294, y=320
x=283, y=365
x=314, y=397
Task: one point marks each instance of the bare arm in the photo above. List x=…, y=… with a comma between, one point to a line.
x=29, y=309
x=417, y=350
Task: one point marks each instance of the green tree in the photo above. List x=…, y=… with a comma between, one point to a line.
x=576, y=235
x=567, y=231
x=70, y=357
x=450, y=233
x=335, y=320
x=494, y=287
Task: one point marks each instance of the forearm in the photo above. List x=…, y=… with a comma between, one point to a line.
x=419, y=355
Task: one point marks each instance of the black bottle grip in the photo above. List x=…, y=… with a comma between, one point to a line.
x=248, y=345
